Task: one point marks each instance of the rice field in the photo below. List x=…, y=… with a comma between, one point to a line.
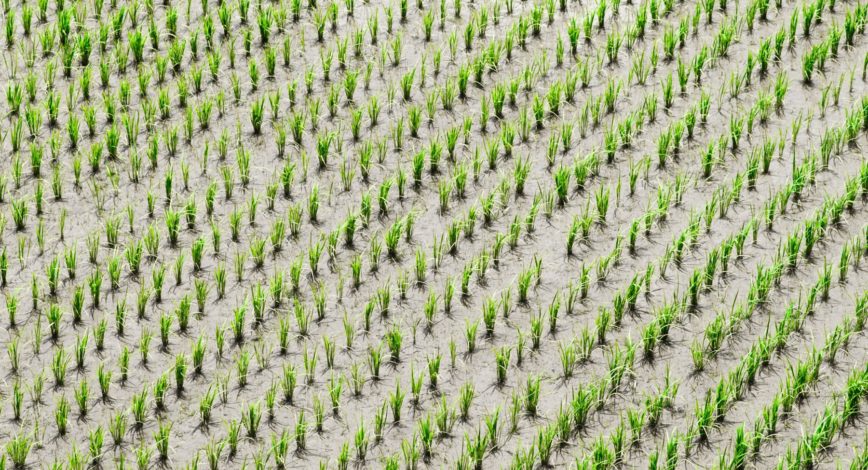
x=583, y=234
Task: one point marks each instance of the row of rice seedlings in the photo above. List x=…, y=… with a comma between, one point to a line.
x=572, y=419
x=567, y=355
x=766, y=278
x=706, y=414
x=759, y=357
x=834, y=417
x=616, y=447
x=564, y=355
x=700, y=279
x=741, y=376
x=561, y=177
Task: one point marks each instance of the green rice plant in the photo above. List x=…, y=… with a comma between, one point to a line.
x=375, y=361
x=177, y=267
x=601, y=198
x=59, y=364
x=17, y=400
x=257, y=110
x=394, y=340
x=650, y=338
x=562, y=183
x=13, y=354
x=233, y=433
x=396, y=401
x=113, y=267
x=35, y=291
x=54, y=316
x=18, y=449
x=361, y=443
x=697, y=354
x=82, y=398
x=568, y=358
x=161, y=440
x=524, y=282
x=735, y=131
x=180, y=371
x=834, y=341
x=61, y=415
x=313, y=203
x=476, y=449
x=668, y=95
x=165, y=329
x=214, y=450
x=553, y=312
x=173, y=221
x=489, y=316
x=19, y=214
x=601, y=323
x=844, y=262
x=242, y=366
x=532, y=395
x=535, y=334
x=250, y=419
x=812, y=232
x=139, y=408
x=466, y=395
